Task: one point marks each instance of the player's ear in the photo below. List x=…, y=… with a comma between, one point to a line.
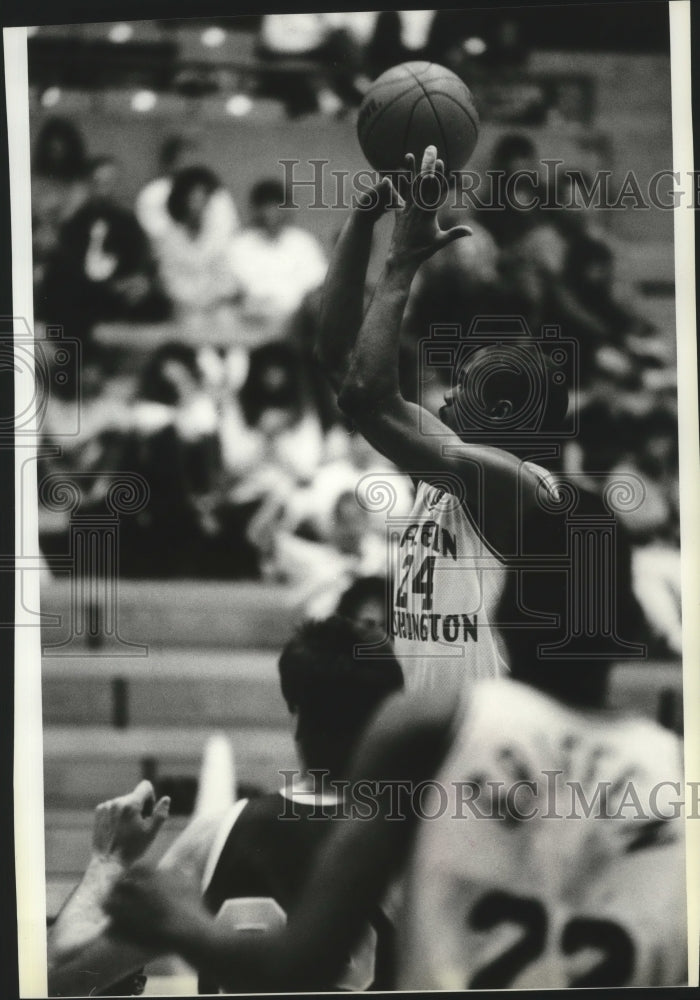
x=502, y=409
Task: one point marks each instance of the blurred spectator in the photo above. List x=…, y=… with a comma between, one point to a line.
x=588, y=285
x=471, y=41
x=326, y=534
x=650, y=454
x=399, y=36
x=319, y=38
x=59, y=169
x=220, y=218
x=509, y=218
x=82, y=427
x=275, y=263
x=319, y=568
x=101, y=268
x=59, y=152
x=59, y=187
x=174, y=444
x=280, y=417
x=193, y=258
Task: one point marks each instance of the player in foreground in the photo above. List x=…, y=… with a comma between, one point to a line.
x=250, y=862
x=546, y=850
x=475, y=501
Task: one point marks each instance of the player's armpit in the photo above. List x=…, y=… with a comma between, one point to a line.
x=499, y=490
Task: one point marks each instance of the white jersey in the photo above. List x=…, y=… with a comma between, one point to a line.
x=447, y=585
x=555, y=857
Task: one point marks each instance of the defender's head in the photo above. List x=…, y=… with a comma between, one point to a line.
x=333, y=688
x=505, y=389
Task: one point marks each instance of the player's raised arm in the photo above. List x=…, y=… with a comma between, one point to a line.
x=372, y=377
x=342, y=304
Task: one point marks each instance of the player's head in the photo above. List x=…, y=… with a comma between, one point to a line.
x=266, y=197
x=333, y=688
x=365, y=602
x=504, y=390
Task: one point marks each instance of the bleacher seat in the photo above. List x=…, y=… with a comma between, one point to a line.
x=171, y=613
x=85, y=764
x=169, y=687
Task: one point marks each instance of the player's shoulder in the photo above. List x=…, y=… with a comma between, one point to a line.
x=658, y=748
x=260, y=810
x=503, y=705
x=543, y=479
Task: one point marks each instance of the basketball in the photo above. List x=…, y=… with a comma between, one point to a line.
x=414, y=105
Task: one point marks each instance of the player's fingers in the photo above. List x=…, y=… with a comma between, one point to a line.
x=390, y=197
x=429, y=160
x=456, y=233
x=411, y=163
x=439, y=166
x=394, y=199
x=143, y=797
x=161, y=812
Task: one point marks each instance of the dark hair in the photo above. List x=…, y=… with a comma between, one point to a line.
x=171, y=149
x=584, y=252
x=72, y=164
x=334, y=688
x=266, y=192
x=512, y=146
x=515, y=382
x=256, y=396
x=184, y=182
x=367, y=588
x=153, y=385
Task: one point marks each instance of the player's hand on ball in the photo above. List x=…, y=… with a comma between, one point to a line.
x=155, y=908
x=417, y=234
x=125, y=827
x=380, y=198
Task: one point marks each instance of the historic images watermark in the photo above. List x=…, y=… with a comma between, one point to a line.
x=549, y=187
x=89, y=505
x=544, y=795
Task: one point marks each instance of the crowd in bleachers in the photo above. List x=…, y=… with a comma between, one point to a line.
x=251, y=467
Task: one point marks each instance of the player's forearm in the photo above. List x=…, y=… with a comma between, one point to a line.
x=81, y=956
x=342, y=303
x=373, y=372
